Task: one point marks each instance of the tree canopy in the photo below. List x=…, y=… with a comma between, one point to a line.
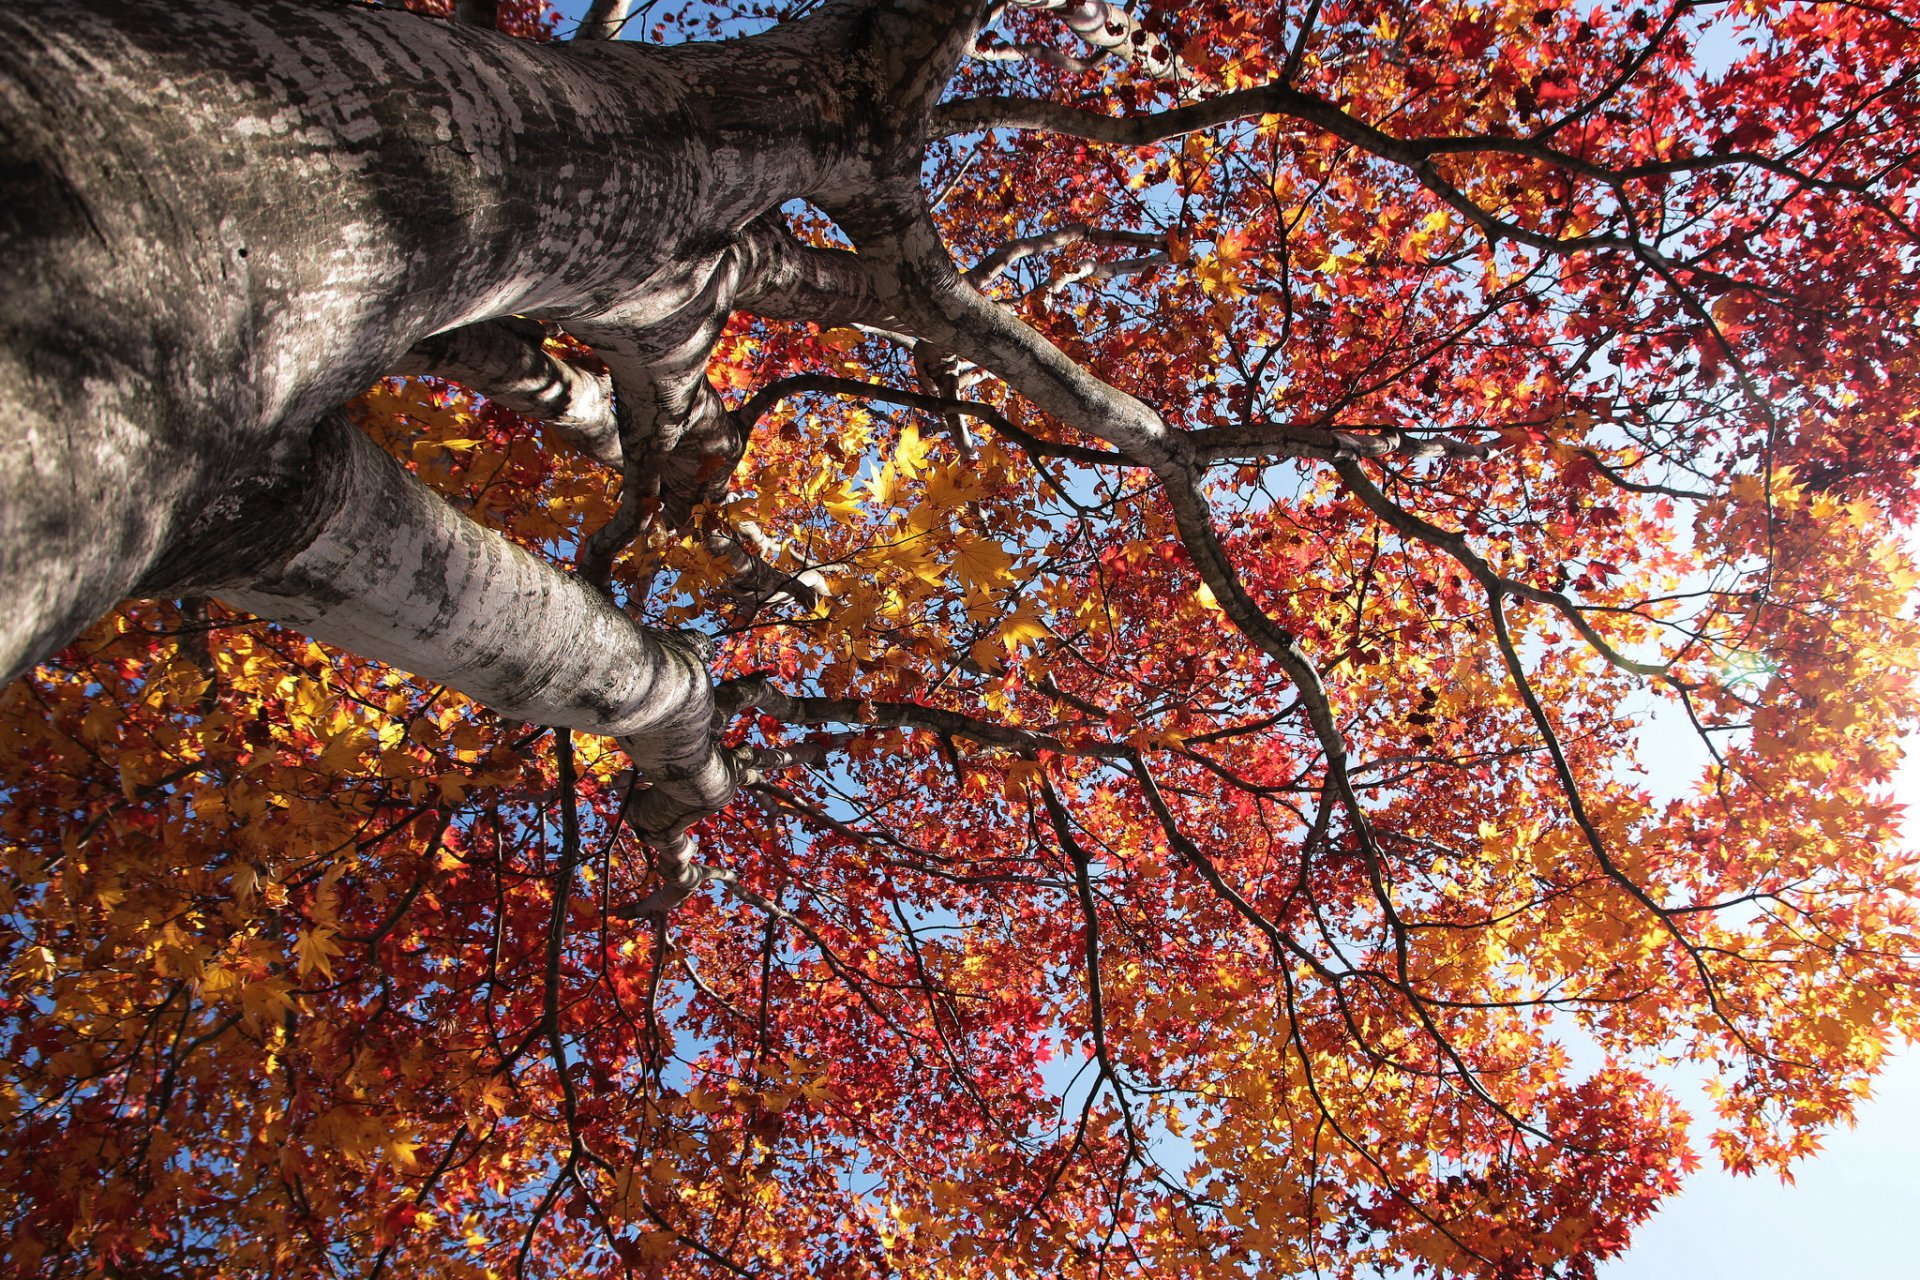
x=1319, y=599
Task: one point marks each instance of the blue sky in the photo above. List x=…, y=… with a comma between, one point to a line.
x=1847, y=1212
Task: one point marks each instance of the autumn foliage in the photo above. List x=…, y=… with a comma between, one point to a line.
x=1559, y=370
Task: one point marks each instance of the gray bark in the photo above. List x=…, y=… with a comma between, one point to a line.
x=504, y=360
x=603, y=20
x=223, y=220
x=215, y=235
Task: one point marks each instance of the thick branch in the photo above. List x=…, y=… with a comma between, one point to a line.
x=944, y=308
x=755, y=582
x=505, y=361
x=989, y=268
x=382, y=565
x=1108, y=29
x=603, y=20
x=783, y=278
x=1089, y=271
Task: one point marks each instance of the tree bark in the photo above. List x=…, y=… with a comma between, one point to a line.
x=504, y=360
x=224, y=220
x=228, y=219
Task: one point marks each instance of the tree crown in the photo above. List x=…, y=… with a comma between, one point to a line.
x=1197, y=555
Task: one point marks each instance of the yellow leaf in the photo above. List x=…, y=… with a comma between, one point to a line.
x=424, y=449
x=911, y=455
x=951, y=486
x=342, y=749
x=267, y=1001
x=838, y=501
x=1834, y=1031
x=884, y=488
x=496, y=1095
x=1023, y=628
x=36, y=964
x=1218, y=279
x=316, y=949
x=1022, y=774
x=914, y=556
x=981, y=562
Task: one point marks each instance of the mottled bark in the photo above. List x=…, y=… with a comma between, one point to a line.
x=224, y=220
x=603, y=20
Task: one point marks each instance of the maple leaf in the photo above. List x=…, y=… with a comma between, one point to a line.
x=911, y=454
x=315, y=949
x=982, y=564
x=1024, y=628
x=266, y=1000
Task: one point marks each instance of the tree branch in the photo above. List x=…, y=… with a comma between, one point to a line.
x=1108, y=29
x=603, y=20
x=733, y=696
x=826, y=384
x=505, y=361
x=989, y=268
x=376, y=562
x=1456, y=546
x=1268, y=441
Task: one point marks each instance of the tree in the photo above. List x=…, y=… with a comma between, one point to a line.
x=955, y=639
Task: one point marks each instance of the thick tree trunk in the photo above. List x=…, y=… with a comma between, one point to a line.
x=223, y=220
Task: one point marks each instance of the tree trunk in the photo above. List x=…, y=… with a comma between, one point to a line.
x=224, y=220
